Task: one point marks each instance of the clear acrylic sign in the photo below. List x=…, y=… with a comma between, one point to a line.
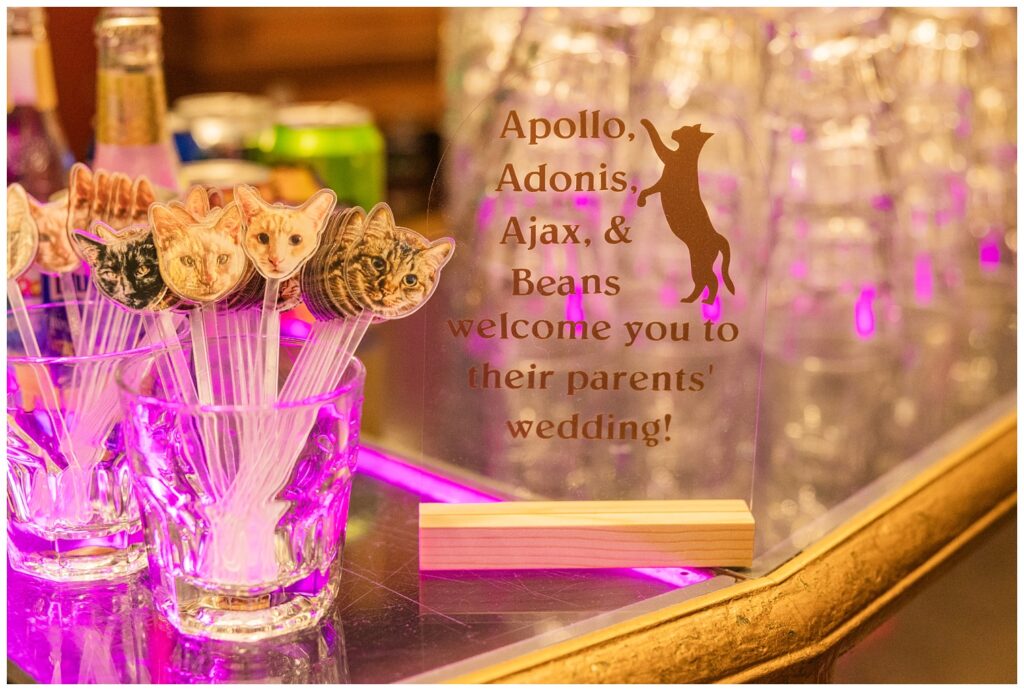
x=599, y=334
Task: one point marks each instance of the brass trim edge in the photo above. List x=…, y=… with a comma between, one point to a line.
x=808, y=608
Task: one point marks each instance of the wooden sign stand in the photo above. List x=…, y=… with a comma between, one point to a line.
x=586, y=535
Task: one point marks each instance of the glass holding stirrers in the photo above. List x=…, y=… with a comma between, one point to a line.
x=71, y=513
x=244, y=506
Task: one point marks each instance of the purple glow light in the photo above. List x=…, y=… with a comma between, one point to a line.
x=42, y=416
x=681, y=578
x=486, y=212
x=988, y=254
x=429, y=485
x=419, y=481
x=864, y=314
x=294, y=326
x=924, y=279
x=584, y=199
x=712, y=311
x=574, y=308
x=882, y=202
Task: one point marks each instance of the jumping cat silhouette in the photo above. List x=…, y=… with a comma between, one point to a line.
x=685, y=211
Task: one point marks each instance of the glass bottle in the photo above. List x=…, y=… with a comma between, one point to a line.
x=131, y=103
x=37, y=153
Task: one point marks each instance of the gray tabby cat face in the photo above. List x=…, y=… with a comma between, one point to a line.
x=366, y=262
x=390, y=270
x=124, y=266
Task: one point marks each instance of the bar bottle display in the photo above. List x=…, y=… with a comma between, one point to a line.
x=131, y=102
x=37, y=152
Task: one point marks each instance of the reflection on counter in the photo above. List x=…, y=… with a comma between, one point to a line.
x=389, y=623
x=65, y=634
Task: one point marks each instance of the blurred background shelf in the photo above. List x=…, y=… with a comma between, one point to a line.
x=378, y=58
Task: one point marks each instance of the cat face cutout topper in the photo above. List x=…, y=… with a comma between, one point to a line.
x=367, y=262
x=56, y=253
x=199, y=248
x=278, y=238
x=124, y=266
x=202, y=204
x=198, y=203
x=111, y=198
x=22, y=234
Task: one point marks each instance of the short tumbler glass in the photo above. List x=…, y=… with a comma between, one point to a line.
x=71, y=514
x=244, y=506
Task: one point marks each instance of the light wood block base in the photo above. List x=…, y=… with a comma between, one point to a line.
x=585, y=535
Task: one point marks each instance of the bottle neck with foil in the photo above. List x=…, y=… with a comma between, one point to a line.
x=131, y=102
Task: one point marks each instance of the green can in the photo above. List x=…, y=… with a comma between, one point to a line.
x=338, y=141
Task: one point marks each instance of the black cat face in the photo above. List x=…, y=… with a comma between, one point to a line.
x=691, y=136
x=126, y=271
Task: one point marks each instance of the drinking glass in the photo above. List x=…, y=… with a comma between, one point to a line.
x=71, y=515
x=244, y=506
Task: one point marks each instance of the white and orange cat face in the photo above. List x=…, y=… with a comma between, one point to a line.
x=200, y=259
x=56, y=254
x=278, y=238
x=22, y=234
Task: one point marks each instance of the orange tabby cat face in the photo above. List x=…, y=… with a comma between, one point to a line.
x=22, y=234
x=279, y=238
x=55, y=255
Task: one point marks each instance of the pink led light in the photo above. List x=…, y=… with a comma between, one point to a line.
x=864, y=313
x=486, y=212
x=882, y=202
x=428, y=485
x=988, y=254
x=583, y=200
x=294, y=326
x=680, y=578
x=417, y=480
x=574, y=308
x=924, y=279
x=713, y=311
